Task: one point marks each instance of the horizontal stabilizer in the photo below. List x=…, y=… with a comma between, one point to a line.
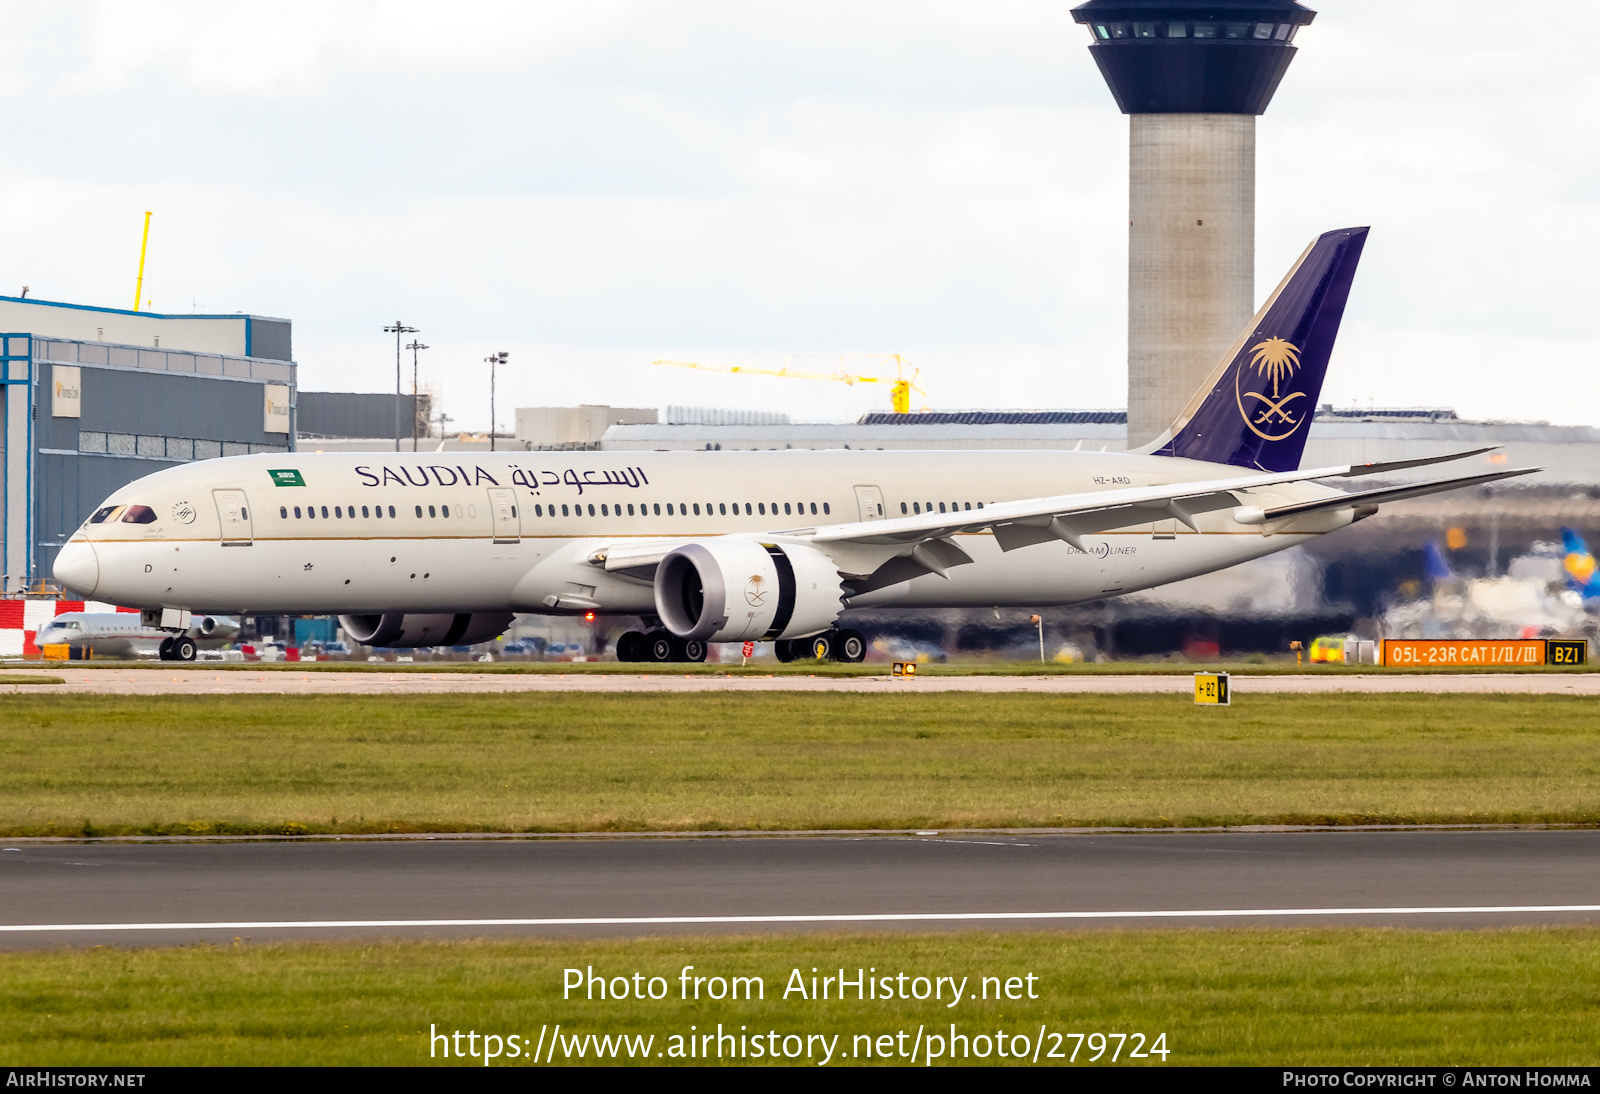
x=1401, y=465
x=1392, y=493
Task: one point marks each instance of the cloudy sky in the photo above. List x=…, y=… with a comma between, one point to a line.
x=591, y=185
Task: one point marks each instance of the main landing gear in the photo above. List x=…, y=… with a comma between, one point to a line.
x=846, y=646
x=659, y=646
x=177, y=648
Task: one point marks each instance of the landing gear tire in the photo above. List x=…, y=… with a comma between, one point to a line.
x=183, y=649
x=164, y=651
x=820, y=646
x=849, y=647
x=630, y=647
x=658, y=647
x=694, y=650
x=783, y=649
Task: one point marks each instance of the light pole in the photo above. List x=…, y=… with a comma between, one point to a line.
x=493, y=359
x=397, y=330
x=413, y=347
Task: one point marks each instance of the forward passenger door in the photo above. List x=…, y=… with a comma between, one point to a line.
x=870, y=501
x=503, y=510
x=233, y=510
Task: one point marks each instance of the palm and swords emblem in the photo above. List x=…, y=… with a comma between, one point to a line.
x=1276, y=359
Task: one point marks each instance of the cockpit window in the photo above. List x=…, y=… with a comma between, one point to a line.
x=139, y=514
x=104, y=514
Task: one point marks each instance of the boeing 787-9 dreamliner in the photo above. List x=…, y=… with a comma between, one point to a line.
x=441, y=549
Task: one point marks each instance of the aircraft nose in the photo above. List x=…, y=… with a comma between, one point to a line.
x=78, y=567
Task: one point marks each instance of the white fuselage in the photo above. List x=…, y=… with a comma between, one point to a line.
x=516, y=532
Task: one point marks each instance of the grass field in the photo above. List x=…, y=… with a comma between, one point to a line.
x=72, y=764
x=1278, y=997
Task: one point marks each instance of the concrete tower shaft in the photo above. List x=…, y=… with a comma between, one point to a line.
x=1191, y=256
x=1192, y=75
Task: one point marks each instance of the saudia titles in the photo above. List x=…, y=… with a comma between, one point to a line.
x=1270, y=418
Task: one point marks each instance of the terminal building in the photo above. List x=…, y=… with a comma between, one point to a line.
x=94, y=398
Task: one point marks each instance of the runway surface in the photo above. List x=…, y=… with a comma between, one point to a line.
x=197, y=681
x=171, y=893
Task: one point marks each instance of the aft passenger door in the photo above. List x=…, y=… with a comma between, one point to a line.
x=233, y=510
x=870, y=501
x=503, y=509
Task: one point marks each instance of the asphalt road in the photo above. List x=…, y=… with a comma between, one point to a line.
x=171, y=893
x=200, y=681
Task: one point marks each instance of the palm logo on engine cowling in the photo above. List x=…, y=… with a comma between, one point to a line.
x=755, y=591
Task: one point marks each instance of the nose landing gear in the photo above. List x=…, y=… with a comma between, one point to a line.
x=178, y=648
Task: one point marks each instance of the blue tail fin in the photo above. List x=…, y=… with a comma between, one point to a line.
x=1256, y=407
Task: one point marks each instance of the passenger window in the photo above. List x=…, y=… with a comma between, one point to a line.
x=724, y=507
x=969, y=505
x=669, y=509
x=591, y=510
x=903, y=509
x=337, y=511
x=311, y=512
x=244, y=514
x=103, y=514
x=748, y=511
x=513, y=511
x=419, y=510
x=139, y=514
x=1205, y=30
x=603, y=512
x=941, y=507
x=657, y=508
x=563, y=510
x=391, y=511
x=813, y=508
x=761, y=506
x=363, y=512
x=296, y=512
x=630, y=509
x=697, y=509
x=785, y=508
x=916, y=507
x=324, y=512
x=445, y=509
x=283, y=512
x=825, y=509
x=538, y=510
x=432, y=512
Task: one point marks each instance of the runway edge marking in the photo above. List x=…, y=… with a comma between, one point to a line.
x=874, y=917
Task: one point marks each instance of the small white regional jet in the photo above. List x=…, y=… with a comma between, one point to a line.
x=125, y=634
x=435, y=549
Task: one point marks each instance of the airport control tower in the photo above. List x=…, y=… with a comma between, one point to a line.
x=1191, y=75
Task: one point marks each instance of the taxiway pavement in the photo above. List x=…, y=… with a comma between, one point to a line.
x=169, y=893
x=200, y=681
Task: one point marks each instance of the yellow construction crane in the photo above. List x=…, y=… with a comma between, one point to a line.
x=900, y=385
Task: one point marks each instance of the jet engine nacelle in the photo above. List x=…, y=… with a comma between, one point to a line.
x=213, y=626
x=413, y=631
x=740, y=590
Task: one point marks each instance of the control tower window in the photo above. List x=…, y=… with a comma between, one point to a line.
x=1177, y=30
x=1264, y=31
x=1285, y=32
x=1237, y=30
x=1102, y=31
x=1119, y=30
x=1205, y=30
x=1144, y=30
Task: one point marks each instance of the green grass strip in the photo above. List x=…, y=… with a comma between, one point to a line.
x=1334, y=997
x=108, y=765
